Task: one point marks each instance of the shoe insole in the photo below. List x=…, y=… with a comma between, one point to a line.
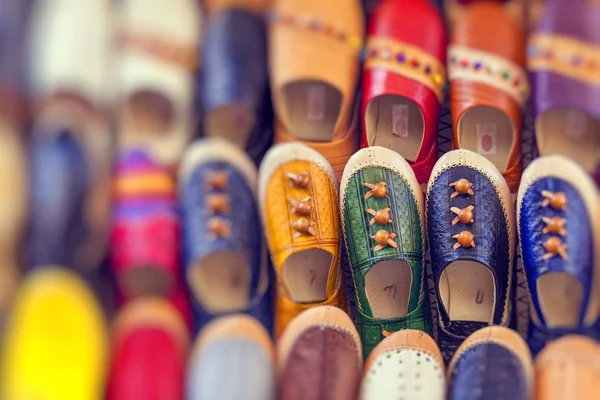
x=388, y=286
x=489, y=132
x=396, y=123
x=468, y=292
x=313, y=109
x=232, y=122
x=148, y=113
x=221, y=282
x=561, y=299
x=305, y=274
x=572, y=133
x=145, y=281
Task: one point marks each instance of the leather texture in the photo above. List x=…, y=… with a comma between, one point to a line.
x=491, y=232
x=147, y=363
x=244, y=227
x=406, y=224
x=480, y=25
x=579, y=239
x=403, y=21
x=322, y=364
x=278, y=219
x=487, y=371
x=409, y=373
x=231, y=369
x=235, y=71
x=60, y=178
x=555, y=90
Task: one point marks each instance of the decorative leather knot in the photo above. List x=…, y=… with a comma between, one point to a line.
x=384, y=239
x=464, y=239
x=379, y=190
x=217, y=180
x=554, y=246
x=382, y=217
x=464, y=216
x=219, y=227
x=462, y=186
x=218, y=203
x=558, y=200
x=385, y=333
x=303, y=227
x=298, y=180
x=302, y=207
x=555, y=225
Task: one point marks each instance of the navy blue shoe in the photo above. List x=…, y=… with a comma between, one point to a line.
x=224, y=252
x=472, y=238
x=69, y=200
x=558, y=223
x=492, y=363
x=236, y=96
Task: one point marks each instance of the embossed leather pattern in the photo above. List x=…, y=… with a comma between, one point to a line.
x=490, y=229
x=235, y=71
x=488, y=371
x=578, y=238
x=406, y=224
x=245, y=236
x=282, y=243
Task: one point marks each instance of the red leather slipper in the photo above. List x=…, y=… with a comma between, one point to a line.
x=150, y=345
x=403, y=83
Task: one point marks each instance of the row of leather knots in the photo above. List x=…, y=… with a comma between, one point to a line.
x=303, y=207
x=382, y=217
x=463, y=215
x=555, y=225
x=218, y=203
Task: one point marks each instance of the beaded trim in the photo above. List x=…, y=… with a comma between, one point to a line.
x=174, y=53
x=316, y=25
x=407, y=60
x=565, y=55
x=466, y=63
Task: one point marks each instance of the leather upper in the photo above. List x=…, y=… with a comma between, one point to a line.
x=571, y=83
x=490, y=229
x=498, y=81
x=401, y=21
x=488, y=371
x=240, y=219
x=578, y=238
x=406, y=224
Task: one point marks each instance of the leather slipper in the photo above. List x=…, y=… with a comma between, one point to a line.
x=70, y=134
x=403, y=81
x=55, y=344
x=564, y=61
x=319, y=356
x=568, y=369
x=157, y=61
x=233, y=358
x=488, y=87
x=314, y=64
x=406, y=365
x=235, y=85
x=145, y=232
x=150, y=344
x=225, y=255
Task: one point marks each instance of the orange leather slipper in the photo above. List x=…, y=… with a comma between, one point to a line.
x=314, y=62
x=488, y=86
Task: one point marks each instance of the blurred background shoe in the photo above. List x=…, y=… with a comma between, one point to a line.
x=150, y=344
x=233, y=358
x=319, y=356
x=55, y=344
